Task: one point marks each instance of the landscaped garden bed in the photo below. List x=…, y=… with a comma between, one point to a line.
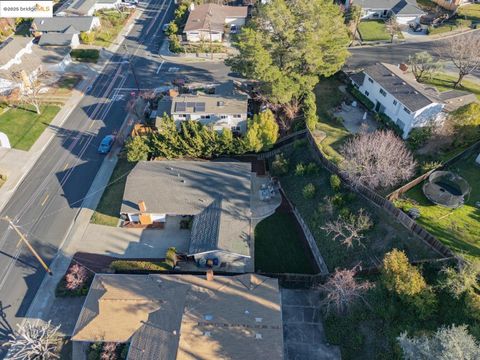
x=107, y=350
x=279, y=246
x=458, y=228
x=139, y=266
x=23, y=125
x=327, y=203
x=75, y=282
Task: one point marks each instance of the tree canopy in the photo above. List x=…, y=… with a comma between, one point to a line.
x=262, y=131
x=290, y=44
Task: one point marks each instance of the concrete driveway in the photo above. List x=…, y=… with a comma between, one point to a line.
x=135, y=243
x=303, y=333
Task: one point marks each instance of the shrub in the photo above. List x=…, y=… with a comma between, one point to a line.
x=300, y=169
x=87, y=37
x=472, y=302
x=311, y=168
x=463, y=23
x=419, y=136
x=388, y=124
x=335, y=182
x=85, y=55
x=309, y=191
x=76, y=282
x=279, y=165
x=429, y=165
x=362, y=98
x=400, y=276
x=137, y=148
x=132, y=266
x=171, y=257
x=338, y=200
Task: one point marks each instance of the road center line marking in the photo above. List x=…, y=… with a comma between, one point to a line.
x=46, y=198
x=160, y=66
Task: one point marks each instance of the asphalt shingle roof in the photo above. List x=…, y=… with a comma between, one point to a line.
x=62, y=23
x=212, y=16
x=56, y=39
x=399, y=7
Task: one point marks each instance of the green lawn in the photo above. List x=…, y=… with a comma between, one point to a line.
x=278, y=247
x=444, y=82
x=373, y=30
x=108, y=209
x=457, y=228
x=23, y=125
x=328, y=96
x=470, y=11
x=385, y=234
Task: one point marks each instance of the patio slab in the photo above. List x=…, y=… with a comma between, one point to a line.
x=353, y=119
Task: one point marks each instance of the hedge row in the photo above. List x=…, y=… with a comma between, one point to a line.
x=131, y=266
x=85, y=55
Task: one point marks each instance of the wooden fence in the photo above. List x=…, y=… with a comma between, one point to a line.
x=382, y=203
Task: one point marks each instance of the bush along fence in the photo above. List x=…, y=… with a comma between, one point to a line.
x=382, y=203
x=394, y=195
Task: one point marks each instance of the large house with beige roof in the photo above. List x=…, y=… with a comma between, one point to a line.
x=208, y=22
x=183, y=317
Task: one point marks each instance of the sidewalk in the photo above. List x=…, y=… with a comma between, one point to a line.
x=167, y=55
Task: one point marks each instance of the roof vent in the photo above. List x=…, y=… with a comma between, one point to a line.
x=258, y=336
x=404, y=83
x=207, y=333
x=247, y=312
x=259, y=320
x=208, y=317
x=169, y=168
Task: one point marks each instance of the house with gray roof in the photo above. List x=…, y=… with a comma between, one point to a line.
x=405, y=11
x=410, y=104
x=86, y=7
x=183, y=317
x=207, y=22
x=214, y=194
x=219, y=111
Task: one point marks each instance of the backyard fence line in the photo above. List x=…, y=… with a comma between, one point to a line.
x=382, y=203
x=395, y=194
x=322, y=266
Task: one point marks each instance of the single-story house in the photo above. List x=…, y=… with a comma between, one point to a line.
x=405, y=11
x=86, y=7
x=183, y=317
x=395, y=93
x=63, y=30
x=219, y=111
x=215, y=193
x=20, y=54
x=208, y=22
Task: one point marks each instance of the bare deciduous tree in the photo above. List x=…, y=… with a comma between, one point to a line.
x=30, y=89
x=343, y=290
x=423, y=65
x=393, y=27
x=349, y=229
x=377, y=160
x=34, y=340
x=464, y=53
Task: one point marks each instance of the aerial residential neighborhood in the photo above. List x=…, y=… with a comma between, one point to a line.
x=213, y=179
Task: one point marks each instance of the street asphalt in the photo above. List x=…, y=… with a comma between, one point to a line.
x=398, y=53
x=46, y=203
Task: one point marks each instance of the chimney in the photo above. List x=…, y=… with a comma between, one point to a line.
x=141, y=206
x=192, y=6
x=210, y=275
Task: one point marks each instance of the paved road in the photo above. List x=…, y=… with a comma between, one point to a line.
x=394, y=54
x=47, y=201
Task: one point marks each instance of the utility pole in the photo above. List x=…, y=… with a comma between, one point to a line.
x=210, y=33
x=132, y=68
x=30, y=247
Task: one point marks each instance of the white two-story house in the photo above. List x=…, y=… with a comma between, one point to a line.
x=396, y=93
x=218, y=111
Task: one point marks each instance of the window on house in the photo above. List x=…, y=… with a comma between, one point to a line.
x=370, y=80
x=182, y=115
x=395, y=102
x=383, y=92
x=223, y=116
x=237, y=116
x=205, y=117
x=367, y=93
x=406, y=110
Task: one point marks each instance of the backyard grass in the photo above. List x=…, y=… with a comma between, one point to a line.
x=444, y=82
x=328, y=97
x=385, y=235
x=373, y=30
x=278, y=247
x=470, y=12
x=23, y=125
x=459, y=228
x=108, y=209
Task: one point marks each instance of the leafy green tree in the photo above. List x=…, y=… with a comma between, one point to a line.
x=137, y=148
x=226, y=145
x=400, y=276
x=458, y=282
x=310, y=110
x=447, y=343
x=262, y=131
x=289, y=44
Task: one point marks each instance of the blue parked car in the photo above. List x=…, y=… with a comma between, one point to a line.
x=106, y=144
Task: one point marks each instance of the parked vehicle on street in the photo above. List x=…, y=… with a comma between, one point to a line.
x=106, y=144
